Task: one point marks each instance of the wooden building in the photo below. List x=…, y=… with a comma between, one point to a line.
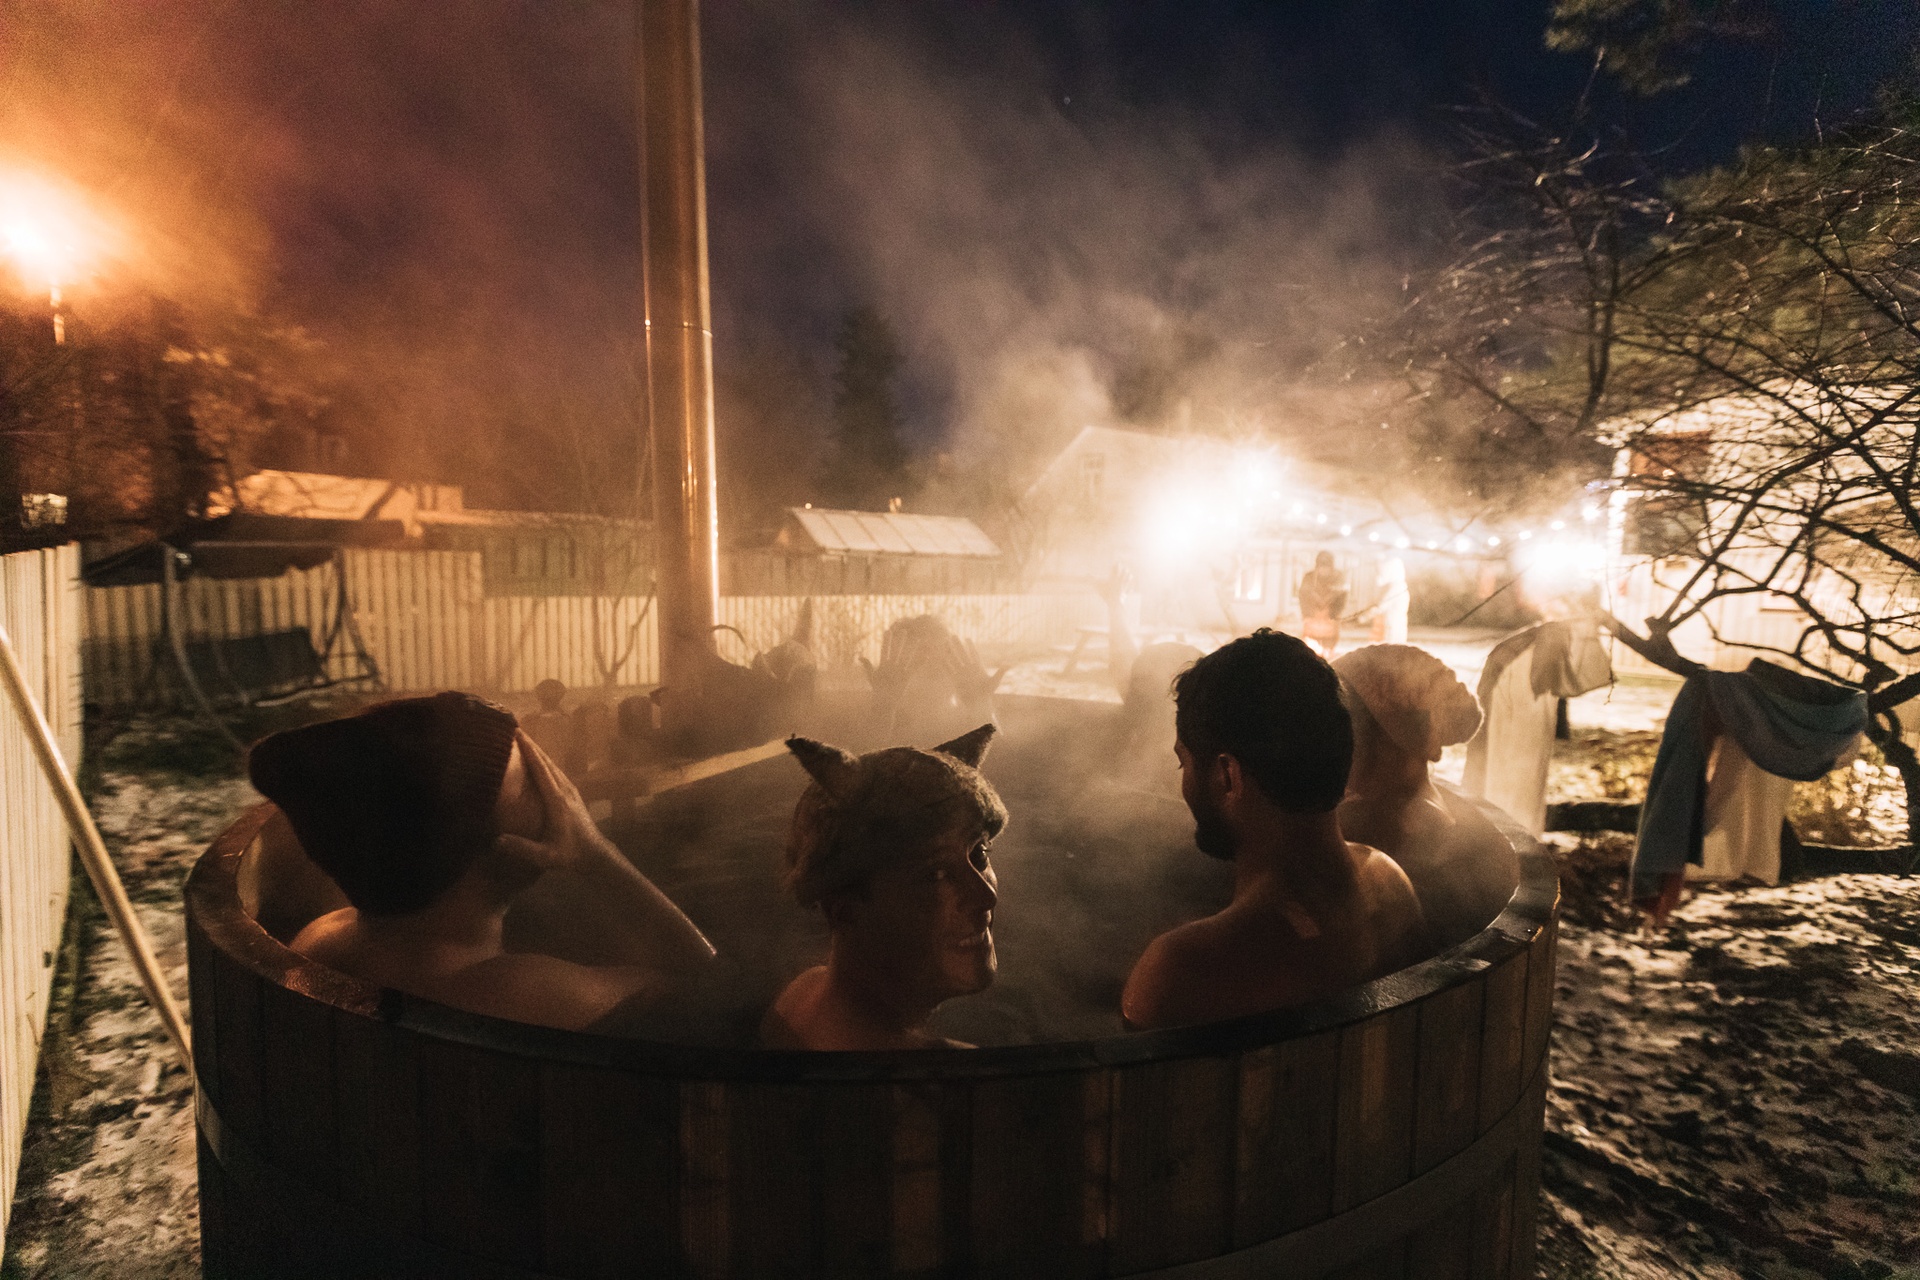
x=824, y=552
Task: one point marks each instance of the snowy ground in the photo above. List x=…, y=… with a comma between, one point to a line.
x=1740, y=1095
x=107, y=1182
x=1737, y=1097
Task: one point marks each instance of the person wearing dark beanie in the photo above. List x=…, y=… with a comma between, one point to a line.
x=433, y=815
x=393, y=803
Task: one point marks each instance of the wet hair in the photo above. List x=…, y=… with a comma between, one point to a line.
x=394, y=803
x=862, y=814
x=1274, y=705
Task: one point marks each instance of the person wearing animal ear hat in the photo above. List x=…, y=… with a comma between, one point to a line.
x=893, y=847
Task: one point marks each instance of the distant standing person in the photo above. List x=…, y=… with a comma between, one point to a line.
x=1265, y=745
x=1389, y=609
x=1323, y=599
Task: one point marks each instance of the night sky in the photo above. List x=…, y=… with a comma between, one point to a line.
x=1043, y=196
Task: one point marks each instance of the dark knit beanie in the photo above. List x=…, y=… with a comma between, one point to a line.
x=396, y=802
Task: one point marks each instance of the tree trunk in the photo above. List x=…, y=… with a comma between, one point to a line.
x=1894, y=748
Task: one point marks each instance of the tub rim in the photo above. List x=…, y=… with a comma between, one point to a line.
x=214, y=909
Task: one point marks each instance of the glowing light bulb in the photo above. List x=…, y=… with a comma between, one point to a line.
x=49, y=236
x=40, y=232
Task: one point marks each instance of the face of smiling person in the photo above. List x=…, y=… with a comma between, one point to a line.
x=925, y=923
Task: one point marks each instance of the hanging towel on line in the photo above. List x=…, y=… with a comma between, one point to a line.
x=1789, y=725
x=1520, y=686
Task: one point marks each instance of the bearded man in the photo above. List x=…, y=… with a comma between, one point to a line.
x=1265, y=744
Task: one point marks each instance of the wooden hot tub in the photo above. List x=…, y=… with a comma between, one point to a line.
x=350, y=1131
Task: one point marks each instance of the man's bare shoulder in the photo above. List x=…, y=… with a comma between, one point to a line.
x=791, y=1009
x=1402, y=934
x=1151, y=997
x=1184, y=975
x=330, y=939
x=544, y=990
x=1381, y=878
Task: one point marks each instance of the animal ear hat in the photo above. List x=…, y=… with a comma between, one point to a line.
x=1413, y=697
x=970, y=748
x=861, y=813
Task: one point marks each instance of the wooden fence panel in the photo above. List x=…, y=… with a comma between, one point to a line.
x=847, y=628
x=427, y=623
x=40, y=607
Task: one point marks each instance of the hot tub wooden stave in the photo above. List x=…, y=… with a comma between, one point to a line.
x=345, y=1130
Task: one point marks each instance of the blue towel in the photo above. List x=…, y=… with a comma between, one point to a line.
x=1791, y=725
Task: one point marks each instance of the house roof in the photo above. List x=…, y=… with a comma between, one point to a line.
x=892, y=533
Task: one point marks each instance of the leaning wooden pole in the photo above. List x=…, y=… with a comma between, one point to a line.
x=93, y=851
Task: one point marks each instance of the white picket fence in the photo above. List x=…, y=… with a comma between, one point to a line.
x=428, y=625
x=40, y=608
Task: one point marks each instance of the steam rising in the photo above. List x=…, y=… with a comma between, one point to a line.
x=446, y=196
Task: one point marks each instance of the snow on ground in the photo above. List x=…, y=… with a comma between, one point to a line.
x=1739, y=1096
x=107, y=1183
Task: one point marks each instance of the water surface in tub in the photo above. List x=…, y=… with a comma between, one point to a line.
x=1096, y=861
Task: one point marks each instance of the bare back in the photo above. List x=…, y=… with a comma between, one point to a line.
x=1267, y=951
x=1459, y=864
x=525, y=988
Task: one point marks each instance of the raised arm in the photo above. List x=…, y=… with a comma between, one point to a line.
x=640, y=924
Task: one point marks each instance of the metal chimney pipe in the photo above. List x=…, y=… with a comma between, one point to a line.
x=678, y=360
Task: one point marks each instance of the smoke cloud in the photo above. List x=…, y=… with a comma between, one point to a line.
x=445, y=196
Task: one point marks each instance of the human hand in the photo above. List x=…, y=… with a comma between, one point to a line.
x=568, y=836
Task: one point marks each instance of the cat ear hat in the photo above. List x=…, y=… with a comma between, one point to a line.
x=863, y=812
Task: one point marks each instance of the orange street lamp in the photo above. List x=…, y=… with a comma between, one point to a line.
x=49, y=235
